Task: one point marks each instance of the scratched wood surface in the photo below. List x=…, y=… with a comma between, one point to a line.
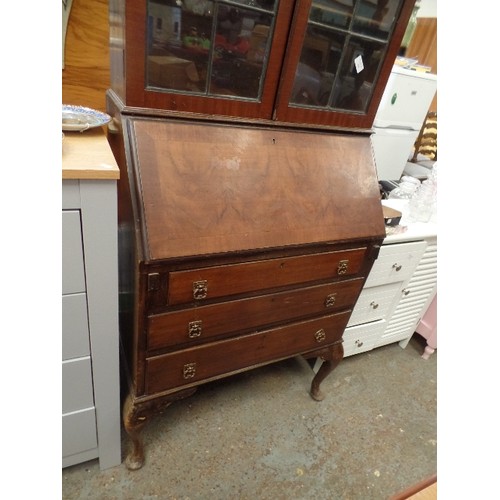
x=207, y=188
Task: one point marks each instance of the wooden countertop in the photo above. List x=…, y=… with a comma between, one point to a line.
x=87, y=155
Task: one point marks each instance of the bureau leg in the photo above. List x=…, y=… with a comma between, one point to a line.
x=135, y=416
x=331, y=356
x=134, y=424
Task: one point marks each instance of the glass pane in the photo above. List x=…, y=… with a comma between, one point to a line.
x=375, y=17
x=319, y=60
x=343, y=50
x=178, y=45
x=209, y=47
x=240, y=52
x=360, y=67
x=332, y=13
x=262, y=4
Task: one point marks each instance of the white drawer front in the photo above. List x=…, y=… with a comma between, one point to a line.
x=73, y=275
x=361, y=338
x=395, y=263
x=78, y=432
x=415, y=297
x=374, y=302
x=75, y=327
x=77, y=391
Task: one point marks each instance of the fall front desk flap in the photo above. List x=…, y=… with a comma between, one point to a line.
x=208, y=188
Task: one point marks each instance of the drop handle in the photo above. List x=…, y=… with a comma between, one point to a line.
x=200, y=289
x=373, y=304
x=406, y=291
x=358, y=343
x=397, y=267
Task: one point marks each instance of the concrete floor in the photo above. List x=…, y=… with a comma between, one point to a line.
x=259, y=435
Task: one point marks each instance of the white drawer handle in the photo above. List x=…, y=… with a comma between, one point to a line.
x=397, y=267
x=358, y=343
x=373, y=304
x=406, y=291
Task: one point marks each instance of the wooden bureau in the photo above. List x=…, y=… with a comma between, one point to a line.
x=239, y=246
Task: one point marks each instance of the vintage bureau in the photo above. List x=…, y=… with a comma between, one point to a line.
x=231, y=258
x=90, y=354
x=249, y=209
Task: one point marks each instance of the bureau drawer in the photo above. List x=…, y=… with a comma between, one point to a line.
x=208, y=361
x=374, y=302
x=220, y=281
x=395, y=263
x=204, y=322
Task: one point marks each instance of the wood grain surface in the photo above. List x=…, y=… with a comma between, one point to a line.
x=209, y=188
x=85, y=77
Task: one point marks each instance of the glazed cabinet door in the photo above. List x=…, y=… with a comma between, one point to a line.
x=210, y=57
x=338, y=60
x=319, y=62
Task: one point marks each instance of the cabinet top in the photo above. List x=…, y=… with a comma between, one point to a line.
x=87, y=155
x=414, y=231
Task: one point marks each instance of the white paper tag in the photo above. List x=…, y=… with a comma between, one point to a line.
x=358, y=63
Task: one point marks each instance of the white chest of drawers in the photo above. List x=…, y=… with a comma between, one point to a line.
x=397, y=292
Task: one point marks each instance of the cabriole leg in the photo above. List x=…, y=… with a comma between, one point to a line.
x=135, y=416
x=331, y=356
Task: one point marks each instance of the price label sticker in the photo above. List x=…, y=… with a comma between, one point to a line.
x=358, y=64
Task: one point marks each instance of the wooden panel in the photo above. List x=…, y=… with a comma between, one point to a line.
x=252, y=276
x=168, y=371
x=88, y=156
x=215, y=188
x=85, y=77
x=173, y=328
x=423, y=46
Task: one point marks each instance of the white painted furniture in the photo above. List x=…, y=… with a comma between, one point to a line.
x=90, y=352
x=398, y=290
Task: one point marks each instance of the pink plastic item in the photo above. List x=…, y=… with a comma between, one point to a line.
x=428, y=328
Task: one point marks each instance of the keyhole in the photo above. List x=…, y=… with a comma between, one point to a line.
x=274, y=140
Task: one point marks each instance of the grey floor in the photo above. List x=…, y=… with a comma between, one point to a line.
x=259, y=435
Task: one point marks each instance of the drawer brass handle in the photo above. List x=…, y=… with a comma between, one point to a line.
x=359, y=343
x=406, y=291
x=189, y=370
x=330, y=300
x=397, y=267
x=373, y=304
x=320, y=335
x=343, y=267
x=194, y=329
x=200, y=289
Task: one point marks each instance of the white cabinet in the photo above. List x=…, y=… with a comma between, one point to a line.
x=397, y=292
x=90, y=353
